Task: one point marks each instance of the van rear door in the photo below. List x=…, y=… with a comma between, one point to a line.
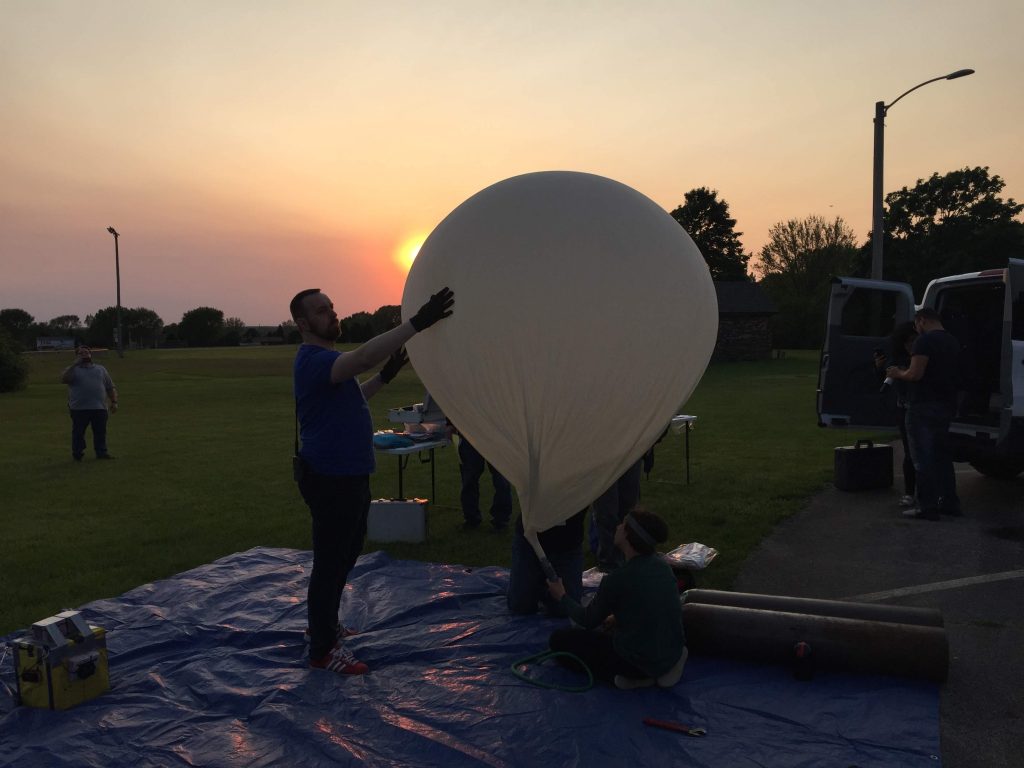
x=1012, y=366
x=861, y=315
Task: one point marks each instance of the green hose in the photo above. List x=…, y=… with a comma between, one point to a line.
x=543, y=656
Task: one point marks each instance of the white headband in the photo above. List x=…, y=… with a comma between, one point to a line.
x=638, y=529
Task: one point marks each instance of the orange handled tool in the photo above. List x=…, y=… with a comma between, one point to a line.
x=668, y=725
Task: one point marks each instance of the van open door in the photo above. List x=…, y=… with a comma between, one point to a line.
x=1012, y=365
x=861, y=315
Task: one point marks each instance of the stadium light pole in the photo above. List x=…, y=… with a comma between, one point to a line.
x=881, y=109
x=117, y=271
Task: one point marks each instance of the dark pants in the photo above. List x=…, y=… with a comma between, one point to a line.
x=471, y=467
x=596, y=650
x=909, y=473
x=339, y=507
x=610, y=509
x=928, y=435
x=95, y=418
x=527, y=585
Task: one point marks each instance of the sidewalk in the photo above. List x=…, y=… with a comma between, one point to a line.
x=857, y=546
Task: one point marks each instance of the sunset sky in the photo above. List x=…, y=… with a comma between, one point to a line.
x=246, y=150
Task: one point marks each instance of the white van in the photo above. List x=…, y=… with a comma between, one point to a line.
x=984, y=310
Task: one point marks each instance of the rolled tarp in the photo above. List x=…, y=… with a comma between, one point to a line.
x=898, y=614
x=834, y=643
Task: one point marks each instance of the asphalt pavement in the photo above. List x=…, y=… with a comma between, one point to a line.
x=857, y=546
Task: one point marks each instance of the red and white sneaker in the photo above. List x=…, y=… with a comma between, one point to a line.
x=340, y=659
x=340, y=633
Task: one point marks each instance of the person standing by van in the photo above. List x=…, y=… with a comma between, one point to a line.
x=901, y=343
x=931, y=406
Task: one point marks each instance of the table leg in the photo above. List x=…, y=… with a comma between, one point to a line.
x=433, y=489
x=687, y=454
x=401, y=495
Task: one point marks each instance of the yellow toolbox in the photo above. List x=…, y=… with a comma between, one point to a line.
x=63, y=662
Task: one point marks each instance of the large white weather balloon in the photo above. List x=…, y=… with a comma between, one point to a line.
x=584, y=317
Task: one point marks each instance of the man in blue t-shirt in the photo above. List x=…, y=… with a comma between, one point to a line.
x=930, y=408
x=337, y=453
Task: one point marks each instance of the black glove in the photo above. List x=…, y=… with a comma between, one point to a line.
x=393, y=365
x=436, y=309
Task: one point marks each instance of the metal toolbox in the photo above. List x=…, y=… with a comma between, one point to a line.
x=397, y=520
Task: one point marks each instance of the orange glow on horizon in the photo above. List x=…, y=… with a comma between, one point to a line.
x=243, y=159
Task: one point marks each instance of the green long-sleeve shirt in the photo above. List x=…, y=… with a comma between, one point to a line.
x=644, y=598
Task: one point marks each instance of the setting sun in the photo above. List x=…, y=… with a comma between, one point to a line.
x=406, y=253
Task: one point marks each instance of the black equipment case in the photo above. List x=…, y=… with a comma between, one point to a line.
x=864, y=466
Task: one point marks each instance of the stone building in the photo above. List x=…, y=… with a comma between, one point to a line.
x=744, y=312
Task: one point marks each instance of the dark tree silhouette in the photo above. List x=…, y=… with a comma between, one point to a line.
x=201, y=327
x=948, y=225
x=706, y=219
x=798, y=263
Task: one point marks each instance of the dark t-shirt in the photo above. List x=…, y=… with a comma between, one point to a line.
x=334, y=419
x=938, y=385
x=644, y=598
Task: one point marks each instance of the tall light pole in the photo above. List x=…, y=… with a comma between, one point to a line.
x=877, y=225
x=117, y=268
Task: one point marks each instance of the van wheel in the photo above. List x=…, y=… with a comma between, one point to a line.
x=1001, y=468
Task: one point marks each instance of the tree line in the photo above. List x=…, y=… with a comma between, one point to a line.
x=199, y=327
x=943, y=225
x=140, y=326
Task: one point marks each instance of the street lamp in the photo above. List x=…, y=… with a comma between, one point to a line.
x=117, y=268
x=881, y=108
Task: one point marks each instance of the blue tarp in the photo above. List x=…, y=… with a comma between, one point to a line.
x=208, y=669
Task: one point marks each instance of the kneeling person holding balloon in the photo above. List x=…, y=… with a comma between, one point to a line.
x=563, y=545
x=647, y=644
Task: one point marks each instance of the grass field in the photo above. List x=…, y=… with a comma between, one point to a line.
x=203, y=443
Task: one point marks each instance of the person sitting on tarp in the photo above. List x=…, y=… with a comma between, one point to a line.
x=563, y=544
x=646, y=644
